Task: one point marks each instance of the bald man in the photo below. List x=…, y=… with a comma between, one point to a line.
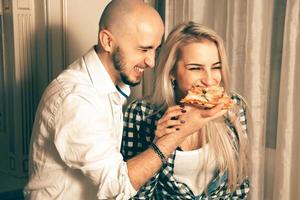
x=76, y=138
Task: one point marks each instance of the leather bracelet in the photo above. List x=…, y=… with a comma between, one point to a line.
x=159, y=153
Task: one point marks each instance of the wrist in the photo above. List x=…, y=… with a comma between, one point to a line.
x=168, y=143
x=159, y=153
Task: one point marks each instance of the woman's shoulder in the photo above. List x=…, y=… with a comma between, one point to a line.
x=240, y=108
x=142, y=106
x=238, y=99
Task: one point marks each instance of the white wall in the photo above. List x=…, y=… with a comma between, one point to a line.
x=67, y=29
x=82, y=25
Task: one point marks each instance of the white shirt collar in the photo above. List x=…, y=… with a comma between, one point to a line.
x=99, y=76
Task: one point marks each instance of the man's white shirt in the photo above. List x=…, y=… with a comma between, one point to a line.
x=76, y=138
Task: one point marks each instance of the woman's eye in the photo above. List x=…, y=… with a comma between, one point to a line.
x=196, y=68
x=217, y=68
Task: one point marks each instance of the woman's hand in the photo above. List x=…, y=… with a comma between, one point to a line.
x=196, y=118
x=186, y=119
x=178, y=123
x=170, y=122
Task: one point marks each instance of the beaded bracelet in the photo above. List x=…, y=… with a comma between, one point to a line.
x=159, y=153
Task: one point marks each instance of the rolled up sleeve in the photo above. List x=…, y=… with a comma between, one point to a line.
x=85, y=140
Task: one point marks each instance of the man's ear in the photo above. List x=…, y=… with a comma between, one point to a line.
x=106, y=40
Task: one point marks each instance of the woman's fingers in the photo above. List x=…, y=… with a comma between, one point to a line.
x=196, y=118
x=167, y=127
x=172, y=113
x=193, y=119
x=170, y=122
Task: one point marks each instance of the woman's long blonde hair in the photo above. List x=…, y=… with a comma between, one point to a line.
x=230, y=158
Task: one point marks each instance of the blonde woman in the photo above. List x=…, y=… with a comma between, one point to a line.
x=211, y=163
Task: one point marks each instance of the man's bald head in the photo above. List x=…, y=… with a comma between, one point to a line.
x=124, y=15
x=130, y=31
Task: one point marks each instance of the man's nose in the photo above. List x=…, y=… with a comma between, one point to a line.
x=150, y=60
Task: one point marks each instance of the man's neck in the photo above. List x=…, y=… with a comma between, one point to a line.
x=105, y=59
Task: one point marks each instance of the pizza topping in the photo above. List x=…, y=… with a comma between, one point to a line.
x=208, y=97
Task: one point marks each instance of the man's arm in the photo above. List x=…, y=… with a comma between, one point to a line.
x=84, y=139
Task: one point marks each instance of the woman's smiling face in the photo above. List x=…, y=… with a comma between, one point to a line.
x=197, y=62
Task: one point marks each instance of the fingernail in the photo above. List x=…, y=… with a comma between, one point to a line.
x=182, y=121
x=174, y=118
x=183, y=111
x=177, y=129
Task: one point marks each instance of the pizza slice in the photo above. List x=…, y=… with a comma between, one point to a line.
x=208, y=97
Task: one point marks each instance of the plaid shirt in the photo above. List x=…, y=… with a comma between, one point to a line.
x=139, y=127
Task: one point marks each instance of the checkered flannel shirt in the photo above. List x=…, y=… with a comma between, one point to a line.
x=139, y=126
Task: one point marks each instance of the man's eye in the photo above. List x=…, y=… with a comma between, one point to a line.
x=144, y=50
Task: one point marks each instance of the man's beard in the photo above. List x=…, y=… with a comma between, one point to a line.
x=119, y=65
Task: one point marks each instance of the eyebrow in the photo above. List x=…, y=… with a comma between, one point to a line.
x=200, y=65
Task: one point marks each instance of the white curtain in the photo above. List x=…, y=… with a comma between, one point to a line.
x=248, y=40
x=287, y=168
x=254, y=37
